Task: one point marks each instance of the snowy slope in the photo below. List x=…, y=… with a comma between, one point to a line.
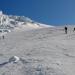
x=18, y=22
x=46, y=51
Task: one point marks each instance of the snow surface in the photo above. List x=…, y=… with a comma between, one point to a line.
x=46, y=51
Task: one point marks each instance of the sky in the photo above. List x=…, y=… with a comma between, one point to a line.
x=51, y=12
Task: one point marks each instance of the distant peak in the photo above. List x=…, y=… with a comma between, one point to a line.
x=19, y=22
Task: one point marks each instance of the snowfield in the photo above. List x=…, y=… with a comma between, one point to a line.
x=45, y=51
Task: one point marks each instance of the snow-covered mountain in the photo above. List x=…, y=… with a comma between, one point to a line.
x=19, y=22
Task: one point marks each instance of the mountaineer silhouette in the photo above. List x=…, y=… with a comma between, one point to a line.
x=65, y=30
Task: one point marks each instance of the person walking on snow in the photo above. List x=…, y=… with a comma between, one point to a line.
x=65, y=29
x=3, y=37
x=74, y=29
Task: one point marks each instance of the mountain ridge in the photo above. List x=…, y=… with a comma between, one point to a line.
x=18, y=22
